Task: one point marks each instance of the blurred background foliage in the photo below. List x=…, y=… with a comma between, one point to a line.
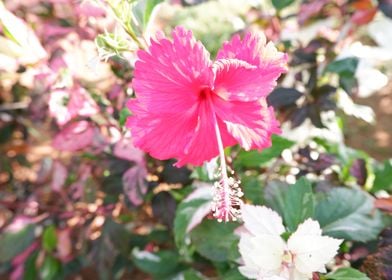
x=78, y=201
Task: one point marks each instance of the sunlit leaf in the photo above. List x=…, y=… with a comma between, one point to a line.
x=257, y=159
x=383, y=177
x=49, y=238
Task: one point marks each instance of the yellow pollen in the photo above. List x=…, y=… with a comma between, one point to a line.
x=287, y=257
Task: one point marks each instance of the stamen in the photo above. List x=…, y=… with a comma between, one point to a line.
x=227, y=192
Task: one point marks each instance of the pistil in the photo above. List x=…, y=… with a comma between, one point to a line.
x=227, y=193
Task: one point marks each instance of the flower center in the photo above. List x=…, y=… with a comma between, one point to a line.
x=287, y=259
x=205, y=93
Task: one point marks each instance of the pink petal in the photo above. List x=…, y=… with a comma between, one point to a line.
x=164, y=135
x=250, y=123
x=239, y=80
x=169, y=75
x=75, y=136
x=254, y=50
x=203, y=145
x=188, y=137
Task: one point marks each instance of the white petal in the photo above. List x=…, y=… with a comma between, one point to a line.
x=262, y=220
x=275, y=277
x=297, y=275
x=250, y=272
x=263, y=252
x=308, y=227
x=311, y=250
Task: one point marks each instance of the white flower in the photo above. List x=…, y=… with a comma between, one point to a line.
x=267, y=256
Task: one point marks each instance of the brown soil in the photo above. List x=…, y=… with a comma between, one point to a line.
x=375, y=139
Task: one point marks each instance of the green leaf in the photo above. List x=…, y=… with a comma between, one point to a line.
x=124, y=114
x=252, y=188
x=299, y=204
x=189, y=274
x=30, y=269
x=49, y=238
x=295, y=203
x=150, y=5
x=118, y=235
x=50, y=268
x=383, y=177
x=216, y=241
x=111, y=44
x=158, y=264
x=280, y=4
x=253, y=159
x=233, y=274
x=200, y=173
x=346, y=273
x=274, y=195
x=189, y=213
x=346, y=66
x=14, y=243
x=349, y=214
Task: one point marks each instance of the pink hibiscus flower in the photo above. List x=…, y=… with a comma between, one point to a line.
x=189, y=107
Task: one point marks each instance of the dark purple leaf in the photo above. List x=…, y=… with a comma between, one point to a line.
x=302, y=56
x=386, y=7
x=312, y=81
x=379, y=264
x=323, y=91
x=314, y=115
x=299, y=116
x=359, y=171
x=175, y=175
x=124, y=149
x=281, y=97
x=385, y=237
x=164, y=208
x=134, y=184
x=323, y=162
